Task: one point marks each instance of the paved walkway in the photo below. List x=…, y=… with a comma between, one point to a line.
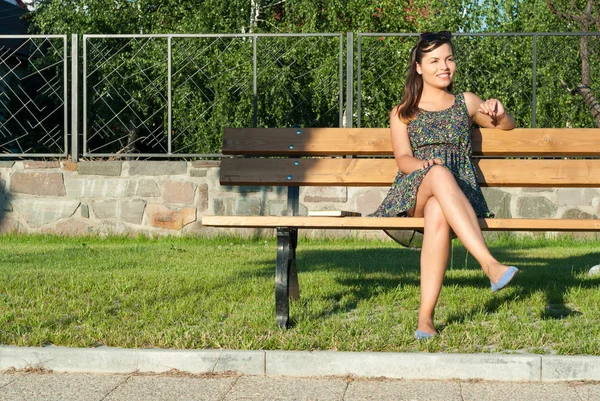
x=165, y=387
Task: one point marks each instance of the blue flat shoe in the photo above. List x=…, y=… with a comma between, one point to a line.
x=421, y=335
x=505, y=279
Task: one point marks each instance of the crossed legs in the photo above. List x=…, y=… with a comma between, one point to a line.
x=444, y=206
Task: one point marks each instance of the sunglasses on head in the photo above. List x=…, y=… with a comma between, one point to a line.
x=431, y=36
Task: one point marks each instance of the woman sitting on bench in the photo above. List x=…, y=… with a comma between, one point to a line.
x=431, y=140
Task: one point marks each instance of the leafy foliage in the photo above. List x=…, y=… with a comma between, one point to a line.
x=298, y=78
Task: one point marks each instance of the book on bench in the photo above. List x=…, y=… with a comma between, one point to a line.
x=333, y=213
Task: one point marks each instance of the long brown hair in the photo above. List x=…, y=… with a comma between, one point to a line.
x=413, y=86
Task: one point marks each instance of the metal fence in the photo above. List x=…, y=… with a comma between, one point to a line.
x=172, y=95
x=33, y=95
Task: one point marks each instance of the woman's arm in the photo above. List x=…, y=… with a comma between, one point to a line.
x=402, y=149
x=488, y=114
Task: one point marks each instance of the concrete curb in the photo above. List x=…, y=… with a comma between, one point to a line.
x=501, y=367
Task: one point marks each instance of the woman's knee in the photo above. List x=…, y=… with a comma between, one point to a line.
x=440, y=172
x=434, y=215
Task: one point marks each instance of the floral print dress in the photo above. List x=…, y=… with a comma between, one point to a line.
x=446, y=135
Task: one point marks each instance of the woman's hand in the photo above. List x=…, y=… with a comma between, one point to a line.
x=494, y=109
x=431, y=162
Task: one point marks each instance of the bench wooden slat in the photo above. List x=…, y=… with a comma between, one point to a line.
x=381, y=172
x=382, y=223
x=376, y=141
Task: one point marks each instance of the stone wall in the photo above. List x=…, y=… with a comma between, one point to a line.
x=170, y=198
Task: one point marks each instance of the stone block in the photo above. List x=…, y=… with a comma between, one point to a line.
x=202, y=197
x=9, y=225
x=279, y=208
x=244, y=189
x=85, y=211
x=30, y=164
x=536, y=189
x=96, y=187
x=248, y=207
x=105, y=168
x=326, y=194
x=223, y=206
x=37, y=212
x=6, y=164
x=179, y=192
x=575, y=196
x=157, y=168
x=143, y=188
x=130, y=211
x=198, y=173
x=206, y=163
x=70, y=228
x=34, y=183
x=577, y=214
x=498, y=202
x=368, y=201
x=570, y=368
x=163, y=217
x=536, y=207
x=69, y=165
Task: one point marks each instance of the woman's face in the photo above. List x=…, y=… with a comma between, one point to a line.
x=437, y=67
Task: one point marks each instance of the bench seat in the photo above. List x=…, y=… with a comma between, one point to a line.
x=363, y=157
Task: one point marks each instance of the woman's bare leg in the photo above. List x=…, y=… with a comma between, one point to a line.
x=434, y=259
x=440, y=183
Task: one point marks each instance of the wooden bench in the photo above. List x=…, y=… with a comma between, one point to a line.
x=363, y=157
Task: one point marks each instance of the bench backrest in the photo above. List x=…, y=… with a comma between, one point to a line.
x=524, y=157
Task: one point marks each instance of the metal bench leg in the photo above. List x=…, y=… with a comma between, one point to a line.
x=293, y=279
x=285, y=274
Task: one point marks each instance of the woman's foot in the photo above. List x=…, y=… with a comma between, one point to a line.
x=504, y=279
x=425, y=328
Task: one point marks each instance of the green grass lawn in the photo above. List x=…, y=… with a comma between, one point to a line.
x=356, y=295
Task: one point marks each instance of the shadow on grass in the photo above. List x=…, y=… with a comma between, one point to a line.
x=358, y=271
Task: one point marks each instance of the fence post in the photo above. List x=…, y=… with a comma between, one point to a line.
x=74, y=97
x=534, y=82
x=349, y=78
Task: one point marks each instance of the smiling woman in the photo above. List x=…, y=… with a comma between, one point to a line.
x=431, y=140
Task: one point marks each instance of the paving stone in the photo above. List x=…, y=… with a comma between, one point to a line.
x=587, y=392
x=286, y=388
x=104, y=168
x=38, y=212
x=179, y=192
x=36, y=183
x=163, y=217
x=59, y=386
x=130, y=211
x=382, y=390
x=157, y=168
x=150, y=388
x=518, y=391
